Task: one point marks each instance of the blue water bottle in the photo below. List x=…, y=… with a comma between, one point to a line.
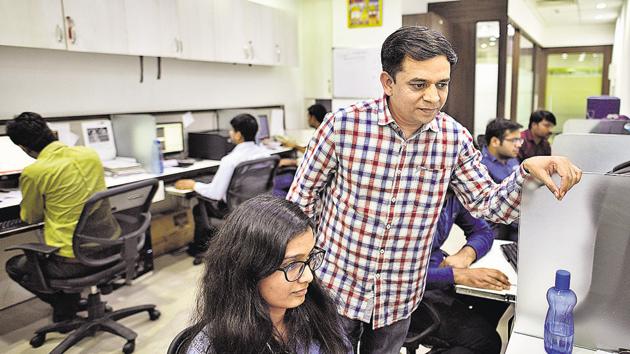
x=157, y=166
x=559, y=321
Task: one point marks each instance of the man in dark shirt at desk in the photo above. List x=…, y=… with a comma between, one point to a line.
x=535, y=138
x=466, y=330
x=503, y=143
x=54, y=189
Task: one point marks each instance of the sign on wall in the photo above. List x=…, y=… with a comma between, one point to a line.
x=365, y=13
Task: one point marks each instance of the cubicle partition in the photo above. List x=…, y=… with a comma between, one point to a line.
x=593, y=152
x=588, y=234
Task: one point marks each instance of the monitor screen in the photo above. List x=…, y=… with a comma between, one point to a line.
x=263, y=128
x=171, y=137
x=13, y=158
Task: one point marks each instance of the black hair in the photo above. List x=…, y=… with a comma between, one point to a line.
x=246, y=125
x=497, y=128
x=539, y=116
x=418, y=43
x=30, y=130
x=249, y=247
x=318, y=111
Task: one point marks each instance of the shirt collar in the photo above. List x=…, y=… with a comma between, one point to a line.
x=244, y=145
x=487, y=154
x=50, y=149
x=527, y=135
x=385, y=117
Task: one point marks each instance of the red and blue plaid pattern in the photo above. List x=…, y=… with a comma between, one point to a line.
x=377, y=198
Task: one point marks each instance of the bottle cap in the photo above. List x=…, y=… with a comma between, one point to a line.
x=563, y=279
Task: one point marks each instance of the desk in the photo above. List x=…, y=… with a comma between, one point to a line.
x=524, y=344
x=496, y=260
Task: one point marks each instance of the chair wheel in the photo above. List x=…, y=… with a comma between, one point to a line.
x=129, y=347
x=38, y=340
x=154, y=314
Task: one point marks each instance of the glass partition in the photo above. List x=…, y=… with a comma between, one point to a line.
x=525, y=89
x=486, y=74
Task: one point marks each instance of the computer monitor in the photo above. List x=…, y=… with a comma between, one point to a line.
x=14, y=159
x=171, y=137
x=263, y=128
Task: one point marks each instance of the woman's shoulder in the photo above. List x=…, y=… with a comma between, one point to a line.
x=200, y=344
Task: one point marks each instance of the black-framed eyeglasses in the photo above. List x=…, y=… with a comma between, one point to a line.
x=294, y=270
x=514, y=140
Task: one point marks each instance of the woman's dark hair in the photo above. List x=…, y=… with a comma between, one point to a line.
x=30, y=130
x=419, y=43
x=318, y=111
x=539, y=116
x=246, y=125
x=249, y=247
x=498, y=127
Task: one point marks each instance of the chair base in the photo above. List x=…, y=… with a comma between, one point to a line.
x=98, y=320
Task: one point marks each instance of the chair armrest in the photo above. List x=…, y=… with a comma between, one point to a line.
x=435, y=319
x=34, y=247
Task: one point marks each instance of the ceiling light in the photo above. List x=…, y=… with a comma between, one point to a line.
x=601, y=5
x=582, y=57
x=564, y=56
x=492, y=39
x=599, y=17
x=492, y=44
x=483, y=46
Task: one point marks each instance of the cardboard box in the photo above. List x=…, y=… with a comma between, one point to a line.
x=171, y=231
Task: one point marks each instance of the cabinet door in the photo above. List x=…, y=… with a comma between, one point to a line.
x=96, y=26
x=32, y=23
x=232, y=44
x=196, y=29
x=258, y=29
x=285, y=39
x=152, y=28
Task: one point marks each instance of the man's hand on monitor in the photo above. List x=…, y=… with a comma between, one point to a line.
x=185, y=184
x=543, y=167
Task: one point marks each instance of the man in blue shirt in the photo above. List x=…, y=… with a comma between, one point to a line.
x=466, y=325
x=504, y=140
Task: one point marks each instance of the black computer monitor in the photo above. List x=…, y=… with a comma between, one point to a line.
x=263, y=128
x=13, y=158
x=171, y=137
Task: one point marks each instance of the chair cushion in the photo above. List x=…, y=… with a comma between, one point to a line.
x=100, y=277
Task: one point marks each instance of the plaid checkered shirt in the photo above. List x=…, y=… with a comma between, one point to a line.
x=377, y=197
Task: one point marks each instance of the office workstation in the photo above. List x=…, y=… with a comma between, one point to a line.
x=127, y=79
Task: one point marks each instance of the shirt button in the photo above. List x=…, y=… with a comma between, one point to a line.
x=382, y=251
x=398, y=172
x=393, y=200
x=388, y=226
x=377, y=276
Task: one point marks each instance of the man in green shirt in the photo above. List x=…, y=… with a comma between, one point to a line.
x=54, y=189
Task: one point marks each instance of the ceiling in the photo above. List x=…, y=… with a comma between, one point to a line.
x=577, y=12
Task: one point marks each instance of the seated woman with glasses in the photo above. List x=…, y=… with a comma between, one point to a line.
x=258, y=293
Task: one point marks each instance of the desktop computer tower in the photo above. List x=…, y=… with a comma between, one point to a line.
x=210, y=144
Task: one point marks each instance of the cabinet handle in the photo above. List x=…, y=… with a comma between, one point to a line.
x=181, y=46
x=72, y=34
x=251, y=50
x=59, y=33
x=176, y=45
x=246, y=51
x=278, y=53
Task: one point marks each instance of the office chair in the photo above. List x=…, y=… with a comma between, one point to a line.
x=480, y=141
x=250, y=178
x=112, y=258
x=181, y=341
x=425, y=313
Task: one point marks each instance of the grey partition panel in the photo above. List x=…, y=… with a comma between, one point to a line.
x=593, y=152
x=588, y=234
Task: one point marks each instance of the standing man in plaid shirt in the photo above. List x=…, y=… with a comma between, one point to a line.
x=375, y=177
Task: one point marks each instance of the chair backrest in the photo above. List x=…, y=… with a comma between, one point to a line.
x=181, y=341
x=251, y=178
x=113, y=224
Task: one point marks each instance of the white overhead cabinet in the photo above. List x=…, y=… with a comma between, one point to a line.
x=32, y=23
x=197, y=29
x=231, y=31
x=98, y=26
x=152, y=28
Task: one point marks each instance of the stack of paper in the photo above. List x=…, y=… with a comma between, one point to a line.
x=122, y=166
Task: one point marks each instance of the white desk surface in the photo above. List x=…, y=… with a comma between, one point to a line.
x=524, y=344
x=14, y=197
x=496, y=260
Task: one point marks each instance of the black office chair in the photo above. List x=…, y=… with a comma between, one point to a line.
x=481, y=141
x=112, y=257
x=250, y=178
x=181, y=341
x=418, y=335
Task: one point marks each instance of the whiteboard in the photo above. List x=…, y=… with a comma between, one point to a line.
x=356, y=73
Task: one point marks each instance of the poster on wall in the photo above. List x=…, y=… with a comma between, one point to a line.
x=365, y=13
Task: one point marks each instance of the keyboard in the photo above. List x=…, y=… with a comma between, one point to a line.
x=12, y=224
x=510, y=251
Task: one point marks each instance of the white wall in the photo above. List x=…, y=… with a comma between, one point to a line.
x=369, y=37
x=620, y=66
